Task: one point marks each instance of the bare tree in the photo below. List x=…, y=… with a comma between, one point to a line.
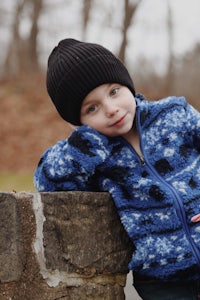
x=32, y=39
x=86, y=16
x=22, y=52
x=11, y=62
x=169, y=86
x=129, y=11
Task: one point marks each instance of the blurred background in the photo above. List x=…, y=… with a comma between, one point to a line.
x=159, y=42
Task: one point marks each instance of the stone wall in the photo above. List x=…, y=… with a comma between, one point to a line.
x=64, y=245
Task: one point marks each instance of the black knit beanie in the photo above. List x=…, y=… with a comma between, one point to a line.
x=74, y=69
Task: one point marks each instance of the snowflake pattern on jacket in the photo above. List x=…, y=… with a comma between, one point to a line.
x=155, y=199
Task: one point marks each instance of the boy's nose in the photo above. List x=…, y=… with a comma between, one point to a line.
x=110, y=110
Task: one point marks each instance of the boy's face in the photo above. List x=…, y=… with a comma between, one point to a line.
x=109, y=109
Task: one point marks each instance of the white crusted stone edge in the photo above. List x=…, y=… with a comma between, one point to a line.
x=52, y=277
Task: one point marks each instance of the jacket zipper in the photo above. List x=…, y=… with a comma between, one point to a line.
x=178, y=203
x=142, y=160
x=141, y=156
x=181, y=214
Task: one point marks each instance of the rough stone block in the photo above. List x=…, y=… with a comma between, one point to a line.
x=68, y=245
x=83, y=234
x=11, y=250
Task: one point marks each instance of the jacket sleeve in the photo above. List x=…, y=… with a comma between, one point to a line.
x=193, y=124
x=70, y=163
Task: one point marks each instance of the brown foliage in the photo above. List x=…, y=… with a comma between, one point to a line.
x=29, y=123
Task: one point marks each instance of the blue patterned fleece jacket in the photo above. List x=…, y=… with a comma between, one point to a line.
x=155, y=198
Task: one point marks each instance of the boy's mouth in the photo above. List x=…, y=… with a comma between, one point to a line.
x=119, y=121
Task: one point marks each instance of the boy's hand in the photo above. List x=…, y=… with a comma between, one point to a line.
x=196, y=218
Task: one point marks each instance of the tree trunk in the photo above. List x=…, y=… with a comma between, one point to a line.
x=86, y=16
x=32, y=40
x=170, y=70
x=129, y=11
x=22, y=56
x=11, y=65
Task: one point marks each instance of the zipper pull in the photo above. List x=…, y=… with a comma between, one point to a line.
x=142, y=160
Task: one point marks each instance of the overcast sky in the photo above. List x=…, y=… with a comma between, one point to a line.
x=147, y=37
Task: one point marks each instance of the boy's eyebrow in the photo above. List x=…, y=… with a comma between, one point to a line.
x=88, y=101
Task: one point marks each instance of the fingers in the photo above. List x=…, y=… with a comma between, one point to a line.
x=196, y=218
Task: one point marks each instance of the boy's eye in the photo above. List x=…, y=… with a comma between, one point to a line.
x=114, y=91
x=91, y=108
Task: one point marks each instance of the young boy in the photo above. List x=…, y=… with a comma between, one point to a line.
x=145, y=154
